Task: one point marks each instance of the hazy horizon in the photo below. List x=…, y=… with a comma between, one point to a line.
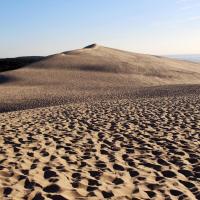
x=37, y=28
x=189, y=57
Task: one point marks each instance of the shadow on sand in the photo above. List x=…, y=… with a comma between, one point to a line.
x=5, y=79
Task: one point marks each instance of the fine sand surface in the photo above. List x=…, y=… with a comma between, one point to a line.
x=144, y=148
x=99, y=123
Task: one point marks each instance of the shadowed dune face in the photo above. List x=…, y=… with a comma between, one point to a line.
x=6, y=79
x=15, y=63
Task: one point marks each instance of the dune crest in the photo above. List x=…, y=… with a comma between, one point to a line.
x=99, y=58
x=91, y=46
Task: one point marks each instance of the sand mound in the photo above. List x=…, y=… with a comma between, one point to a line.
x=90, y=73
x=98, y=58
x=118, y=132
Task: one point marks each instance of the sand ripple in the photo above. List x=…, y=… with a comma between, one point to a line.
x=127, y=149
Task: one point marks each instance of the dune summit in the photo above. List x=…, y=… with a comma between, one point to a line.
x=98, y=58
x=89, y=73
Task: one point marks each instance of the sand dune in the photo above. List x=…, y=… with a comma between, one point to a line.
x=103, y=59
x=126, y=127
x=89, y=73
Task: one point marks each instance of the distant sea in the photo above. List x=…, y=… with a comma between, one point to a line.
x=188, y=57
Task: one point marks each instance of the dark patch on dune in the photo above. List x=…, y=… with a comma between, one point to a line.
x=96, y=68
x=7, y=64
x=91, y=46
x=6, y=79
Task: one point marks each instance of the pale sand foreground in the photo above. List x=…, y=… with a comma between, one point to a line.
x=147, y=148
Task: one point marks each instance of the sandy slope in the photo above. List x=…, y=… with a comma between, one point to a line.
x=104, y=59
x=89, y=73
x=126, y=149
x=127, y=126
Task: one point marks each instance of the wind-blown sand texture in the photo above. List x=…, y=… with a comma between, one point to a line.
x=112, y=135
x=146, y=148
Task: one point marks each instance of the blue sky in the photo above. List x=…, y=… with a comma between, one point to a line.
x=42, y=27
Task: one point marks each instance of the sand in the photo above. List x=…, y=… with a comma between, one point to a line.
x=115, y=131
x=87, y=73
x=147, y=148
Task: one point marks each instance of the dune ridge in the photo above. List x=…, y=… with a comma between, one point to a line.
x=99, y=58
